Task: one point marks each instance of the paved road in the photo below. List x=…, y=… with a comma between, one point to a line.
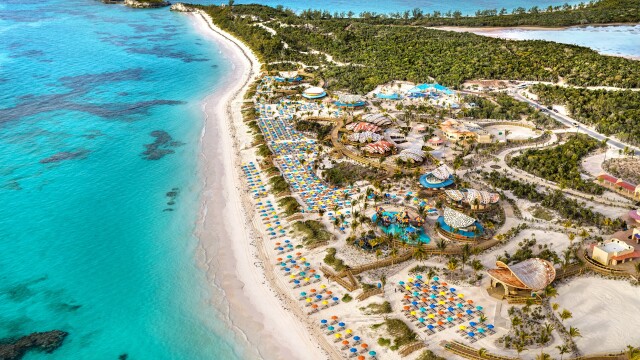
x=574, y=124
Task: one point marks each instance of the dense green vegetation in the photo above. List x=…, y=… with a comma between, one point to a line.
x=313, y=231
x=289, y=204
x=504, y=108
x=278, y=184
x=610, y=112
x=561, y=163
x=448, y=57
x=377, y=308
x=345, y=173
x=568, y=208
x=605, y=11
x=320, y=130
x=526, y=250
x=429, y=355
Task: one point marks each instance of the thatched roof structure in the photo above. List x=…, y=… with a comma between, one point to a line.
x=532, y=274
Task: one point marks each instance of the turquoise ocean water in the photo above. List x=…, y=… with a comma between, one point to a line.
x=99, y=126
x=89, y=243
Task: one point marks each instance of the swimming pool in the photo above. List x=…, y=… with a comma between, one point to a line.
x=402, y=231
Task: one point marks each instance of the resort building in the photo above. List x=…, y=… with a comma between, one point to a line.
x=378, y=148
x=614, y=252
x=386, y=93
x=477, y=200
x=289, y=77
x=530, y=276
x=350, y=102
x=455, y=131
x=620, y=186
x=454, y=225
x=364, y=137
x=314, y=93
x=414, y=156
x=362, y=126
x=634, y=215
x=435, y=141
x=438, y=179
x=377, y=119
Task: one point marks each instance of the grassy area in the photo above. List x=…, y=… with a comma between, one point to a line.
x=333, y=261
x=375, y=308
x=313, y=231
x=539, y=212
x=399, y=331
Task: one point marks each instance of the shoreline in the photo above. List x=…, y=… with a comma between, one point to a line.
x=258, y=311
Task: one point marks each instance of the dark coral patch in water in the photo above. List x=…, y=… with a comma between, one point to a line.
x=161, y=146
x=65, y=155
x=49, y=341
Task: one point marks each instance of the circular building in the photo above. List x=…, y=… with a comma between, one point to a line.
x=438, y=179
x=350, y=102
x=454, y=225
x=314, y=93
x=476, y=200
x=530, y=276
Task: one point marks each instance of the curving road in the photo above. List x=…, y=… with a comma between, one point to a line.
x=574, y=124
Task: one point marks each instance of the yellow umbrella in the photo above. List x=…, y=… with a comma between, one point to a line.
x=323, y=286
x=413, y=313
x=338, y=335
x=442, y=293
x=308, y=300
x=307, y=279
x=431, y=316
x=303, y=259
x=441, y=302
x=292, y=276
x=410, y=279
x=325, y=302
x=462, y=327
x=348, y=331
x=460, y=295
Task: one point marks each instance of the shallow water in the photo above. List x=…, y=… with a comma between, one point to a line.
x=620, y=40
x=99, y=126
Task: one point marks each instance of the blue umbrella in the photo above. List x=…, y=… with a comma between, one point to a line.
x=430, y=327
x=356, y=338
x=452, y=290
x=433, y=306
x=490, y=326
x=473, y=324
x=335, y=299
x=353, y=350
x=341, y=324
x=323, y=321
x=471, y=334
x=469, y=312
x=318, y=296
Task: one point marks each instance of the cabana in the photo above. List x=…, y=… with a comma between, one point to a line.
x=350, y=101
x=288, y=76
x=439, y=178
x=364, y=137
x=314, y=93
x=379, y=148
x=377, y=119
x=362, y=126
x=471, y=198
x=435, y=141
x=454, y=225
x=531, y=275
x=635, y=215
x=412, y=155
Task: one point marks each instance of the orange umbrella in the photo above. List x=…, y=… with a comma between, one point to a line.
x=345, y=342
x=470, y=301
x=313, y=290
x=459, y=315
x=329, y=292
x=360, y=357
x=364, y=346
x=440, y=323
x=334, y=317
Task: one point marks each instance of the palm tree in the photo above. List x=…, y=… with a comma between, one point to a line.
x=550, y=291
x=441, y=245
x=563, y=349
x=476, y=265
x=574, y=332
x=543, y=356
x=633, y=353
x=393, y=253
x=482, y=352
x=452, y=264
x=565, y=314
x=419, y=253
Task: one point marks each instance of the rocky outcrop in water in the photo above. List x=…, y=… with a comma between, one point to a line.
x=47, y=341
x=181, y=7
x=146, y=4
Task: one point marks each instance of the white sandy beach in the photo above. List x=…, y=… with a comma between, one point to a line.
x=231, y=251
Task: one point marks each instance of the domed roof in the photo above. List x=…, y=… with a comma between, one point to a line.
x=314, y=90
x=532, y=274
